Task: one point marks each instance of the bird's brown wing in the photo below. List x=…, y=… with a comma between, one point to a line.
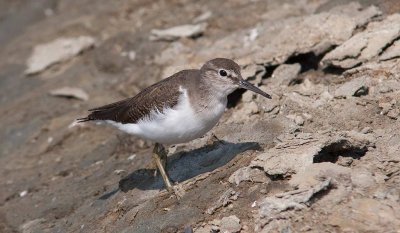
x=164, y=94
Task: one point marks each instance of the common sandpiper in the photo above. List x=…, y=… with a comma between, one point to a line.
x=178, y=109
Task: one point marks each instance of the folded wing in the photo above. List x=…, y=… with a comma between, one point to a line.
x=164, y=94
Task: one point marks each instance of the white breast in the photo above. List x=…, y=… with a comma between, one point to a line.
x=176, y=125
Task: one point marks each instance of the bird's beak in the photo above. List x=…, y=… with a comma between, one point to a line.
x=246, y=85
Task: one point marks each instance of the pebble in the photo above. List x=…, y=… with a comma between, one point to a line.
x=119, y=171
x=130, y=158
x=23, y=193
x=230, y=224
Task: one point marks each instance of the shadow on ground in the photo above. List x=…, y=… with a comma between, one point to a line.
x=185, y=165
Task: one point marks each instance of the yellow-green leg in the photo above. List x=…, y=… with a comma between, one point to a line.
x=160, y=159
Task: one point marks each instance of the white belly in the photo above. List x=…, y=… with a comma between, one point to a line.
x=176, y=125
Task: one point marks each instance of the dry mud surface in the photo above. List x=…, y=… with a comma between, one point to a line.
x=322, y=156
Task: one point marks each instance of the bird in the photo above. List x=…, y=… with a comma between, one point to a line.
x=177, y=109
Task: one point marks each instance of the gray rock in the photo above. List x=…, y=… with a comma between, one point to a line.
x=302, y=35
x=285, y=73
x=390, y=193
x=248, y=174
x=365, y=45
x=291, y=155
x=393, y=113
x=174, y=33
x=32, y=226
x=253, y=73
x=205, y=229
x=355, y=87
x=230, y=224
x=362, y=178
x=298, y=120
x=203, y=17
x=315, y=33
x=70, y=92
x=294, y=153
x=297, y=199
x=357, y=13
x=248, y=97
x=366, y=215
x=392, y=52
x=274, y=42
x=226, y=198
x=313, y=174
x=59, y=50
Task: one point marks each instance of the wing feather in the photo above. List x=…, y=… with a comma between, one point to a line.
x=164, y=94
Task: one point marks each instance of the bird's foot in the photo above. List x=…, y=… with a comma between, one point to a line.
x=178, y=191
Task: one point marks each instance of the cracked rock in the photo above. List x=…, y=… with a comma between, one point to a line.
x=230, y=224
x=315, y=33
x=271, y=207
x=355, y=87
x=227, y=197
x=362, y=16
x=314, y=173
x=392, y=52
x=248, y=174
x=276, y=42
x=294, y=153
x=365, y=45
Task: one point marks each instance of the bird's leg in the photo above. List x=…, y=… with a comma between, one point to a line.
x=162, y=154
x=160, y=158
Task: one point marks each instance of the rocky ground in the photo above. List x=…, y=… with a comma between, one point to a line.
x=322, y=156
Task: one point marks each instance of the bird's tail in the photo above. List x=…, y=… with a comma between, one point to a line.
x=83, y=119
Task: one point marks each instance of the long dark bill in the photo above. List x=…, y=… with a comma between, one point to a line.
x=246, y=85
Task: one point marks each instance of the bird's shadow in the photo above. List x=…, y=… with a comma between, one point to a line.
x=185, y=165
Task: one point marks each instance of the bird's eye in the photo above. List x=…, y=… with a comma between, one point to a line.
x=223, y=73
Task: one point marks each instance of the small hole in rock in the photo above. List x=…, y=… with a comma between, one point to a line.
x=278, y=177
x=332, y=152
x=334, y=70
x=269, y=70
x=308, y=61
x=235, y=97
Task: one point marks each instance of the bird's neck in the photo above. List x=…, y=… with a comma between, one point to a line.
x=206, y=96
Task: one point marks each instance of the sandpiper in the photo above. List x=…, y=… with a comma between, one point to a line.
x=178, y=109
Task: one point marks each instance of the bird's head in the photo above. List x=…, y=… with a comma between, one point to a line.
x=226, y=77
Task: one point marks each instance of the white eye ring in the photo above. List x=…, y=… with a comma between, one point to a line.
x=223, y=73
